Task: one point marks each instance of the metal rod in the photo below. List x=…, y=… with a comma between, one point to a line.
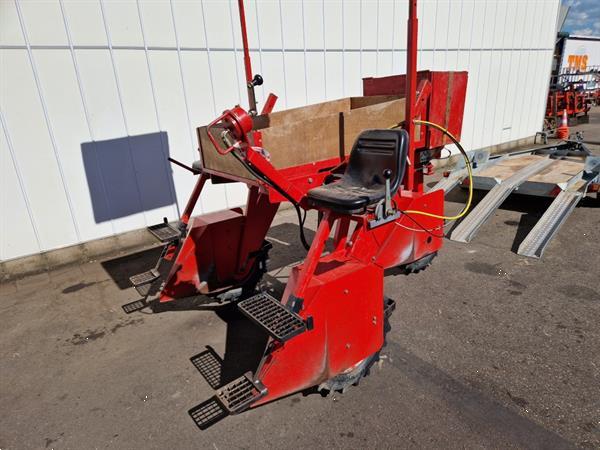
x=411, y=88
x=247, y=61
x=189, y=208
x=184, y=166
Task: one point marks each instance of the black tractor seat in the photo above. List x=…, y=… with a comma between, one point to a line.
x=363, y=183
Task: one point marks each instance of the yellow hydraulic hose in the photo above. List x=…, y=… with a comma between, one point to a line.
x=469, y=171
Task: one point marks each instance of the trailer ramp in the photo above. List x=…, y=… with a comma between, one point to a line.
x=564, y=172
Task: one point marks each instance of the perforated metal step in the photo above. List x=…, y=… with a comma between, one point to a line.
x=543, y=231
x=144, y=277
x=241, y=393
x=164, y=232
x=467, y=229
x=208, y=413
x=210, y=366
x=277, y=320
x=134, y=306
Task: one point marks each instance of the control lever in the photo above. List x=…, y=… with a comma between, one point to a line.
x=256, y=81
x=387, y=210
x=384, y=211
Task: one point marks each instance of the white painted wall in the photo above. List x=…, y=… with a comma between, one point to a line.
x=76, y=72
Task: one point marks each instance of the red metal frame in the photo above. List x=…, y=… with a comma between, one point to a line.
x=340, y=292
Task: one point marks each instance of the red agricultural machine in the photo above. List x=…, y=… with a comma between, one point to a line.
x=359, y=162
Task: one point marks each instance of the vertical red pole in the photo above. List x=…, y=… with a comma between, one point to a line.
x=247, y=64
x=189, y=208
x=415, y=177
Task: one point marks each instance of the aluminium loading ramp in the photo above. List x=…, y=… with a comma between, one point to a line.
x=564, y=171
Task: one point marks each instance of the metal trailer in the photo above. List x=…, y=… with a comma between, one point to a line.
x=565, y=172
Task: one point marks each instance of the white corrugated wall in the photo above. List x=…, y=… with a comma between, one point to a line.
x=95, y=94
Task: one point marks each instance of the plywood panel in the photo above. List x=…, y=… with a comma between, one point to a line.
x=299, y=137
x=560, y=171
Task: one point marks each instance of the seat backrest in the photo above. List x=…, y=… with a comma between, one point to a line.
x=373, y=152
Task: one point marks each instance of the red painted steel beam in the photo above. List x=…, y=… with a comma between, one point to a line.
x=411, y=92
x=247, y=62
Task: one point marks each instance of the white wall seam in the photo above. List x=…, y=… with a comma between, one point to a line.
x=525, y=77
x=487, y=91
x=48, y=122
x=324, y=49
x=235, y=49
x=122, y=107
x=494, y=122
x=208, y=59
x=86, y=112
x=344, y=52
x=376, y=40
x=515, y=103
x=210, y=74
x=285, y=91
x=183, y=88
x=462, y=3
x=260, y=50
x=304, y=49
x=506, y=97
x=19, y=175
x=448, y=35
x=434, y=33
x=360, y=38
x=157, y=114
x=478, y=72
x=532, y=90
x=393, y=34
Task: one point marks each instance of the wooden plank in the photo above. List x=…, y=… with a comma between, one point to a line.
x=312, y=133
x=211, y=159
x=303, y=142
x=560, y=171
x=383, y=115
x=308, y=112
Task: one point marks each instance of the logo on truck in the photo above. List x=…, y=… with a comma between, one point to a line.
x=577, y=62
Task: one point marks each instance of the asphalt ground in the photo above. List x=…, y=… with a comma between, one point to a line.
x=487, y=350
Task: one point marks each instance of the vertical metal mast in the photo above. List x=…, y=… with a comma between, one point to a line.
x=411, y=93
x=250, y=81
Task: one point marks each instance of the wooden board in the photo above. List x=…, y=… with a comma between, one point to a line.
x=560, y=171
x=382, y=115
x=308, y=112
x=223, y=163
x=311, y=133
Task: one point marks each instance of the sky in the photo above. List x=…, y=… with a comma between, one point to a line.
x=584, y=17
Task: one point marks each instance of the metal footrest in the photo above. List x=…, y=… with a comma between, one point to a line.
x=164, y=232
x=144, y=277
x=467, y=229
x=268, y=313
x=208, y=413
x=241, y=393
x=210, y=366
x=134, y=306
x=543, y=231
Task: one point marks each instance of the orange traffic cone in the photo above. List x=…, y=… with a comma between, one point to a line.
x=562, y=132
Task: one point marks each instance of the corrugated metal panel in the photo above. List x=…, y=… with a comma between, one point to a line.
x=94, y=95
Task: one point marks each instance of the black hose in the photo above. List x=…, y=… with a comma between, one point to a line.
x=279, y=189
